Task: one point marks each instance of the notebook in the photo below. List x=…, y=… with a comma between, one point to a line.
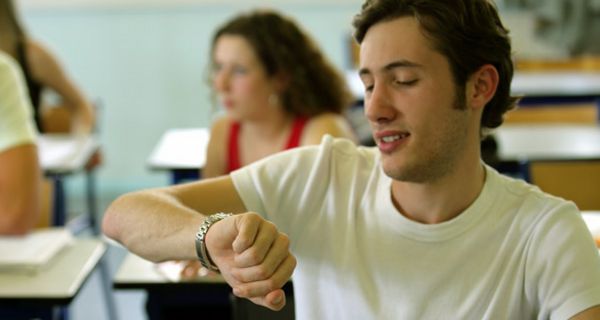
x=32, y=252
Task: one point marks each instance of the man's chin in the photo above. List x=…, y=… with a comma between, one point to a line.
x=404, y=172
x=394, y=170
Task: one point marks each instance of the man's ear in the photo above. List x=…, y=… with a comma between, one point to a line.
x=482, y=86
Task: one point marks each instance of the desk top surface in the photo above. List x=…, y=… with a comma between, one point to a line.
x=529, y=84
x=59, y=282
x=136, y=273
x=180, y=149
x=62, y=153
x=556, y=83
x=548, y=142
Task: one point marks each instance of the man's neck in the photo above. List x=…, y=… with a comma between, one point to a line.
x=443, y=199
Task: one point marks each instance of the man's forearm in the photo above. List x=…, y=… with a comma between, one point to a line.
x=153, y=225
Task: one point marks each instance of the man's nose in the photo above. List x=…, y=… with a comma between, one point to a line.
x=379, y=106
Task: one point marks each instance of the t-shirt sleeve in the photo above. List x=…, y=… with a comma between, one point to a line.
x=16, y=122
x=565, y=263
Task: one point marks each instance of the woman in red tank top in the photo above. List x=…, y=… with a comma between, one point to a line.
x=277, y=89
x=278, y=92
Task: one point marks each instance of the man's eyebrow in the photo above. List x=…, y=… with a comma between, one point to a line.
x=392, y=65
x=401, y=64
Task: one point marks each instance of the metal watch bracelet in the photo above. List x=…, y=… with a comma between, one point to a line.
x=201, y=250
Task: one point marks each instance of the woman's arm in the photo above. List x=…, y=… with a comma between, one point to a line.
x=327, y=123
x=216, y=151
x=47, y=69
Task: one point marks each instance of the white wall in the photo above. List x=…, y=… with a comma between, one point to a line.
x=145, y=60
x=146, y=64
x=34, y=4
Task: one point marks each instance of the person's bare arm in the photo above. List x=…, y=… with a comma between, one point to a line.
x=47, y=69
x=19, y=189
x=161, y=224
x=328, y=123
x=217, y=149
x=588, y=314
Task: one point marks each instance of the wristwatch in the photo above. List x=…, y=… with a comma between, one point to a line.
x=201, y=250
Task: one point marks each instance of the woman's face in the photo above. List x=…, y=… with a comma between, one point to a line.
x=239, y=78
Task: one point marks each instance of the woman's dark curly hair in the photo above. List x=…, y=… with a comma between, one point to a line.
x=314, y=85
x=468, y=33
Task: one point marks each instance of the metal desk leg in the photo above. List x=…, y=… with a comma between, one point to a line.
x=92, y=216
x=524, y=167
x=59, y=216
x=90, y=180
x=107, y=289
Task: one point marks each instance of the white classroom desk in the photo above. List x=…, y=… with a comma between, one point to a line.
x=138, y=273
x=57, y=283
x=556, y=83
x=62, y=155
x=166, y=290
x=592, y=220
x=65, y=154
x=548, y=142
x=181, y=151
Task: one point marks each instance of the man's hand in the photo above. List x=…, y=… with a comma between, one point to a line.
x=253, y=257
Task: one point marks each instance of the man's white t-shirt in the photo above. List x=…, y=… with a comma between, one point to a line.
x=515, y=253
x=16, y=120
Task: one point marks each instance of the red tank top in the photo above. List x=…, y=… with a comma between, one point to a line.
x=233, y=155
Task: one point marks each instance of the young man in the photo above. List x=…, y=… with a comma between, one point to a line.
x=19, y=168
x=417, y=228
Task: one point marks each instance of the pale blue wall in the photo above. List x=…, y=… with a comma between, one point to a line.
x=146, y=65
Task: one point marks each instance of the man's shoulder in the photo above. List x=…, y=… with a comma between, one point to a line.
x=337, y=150
x=344, y=146
x=330, y=152
x=528, y=196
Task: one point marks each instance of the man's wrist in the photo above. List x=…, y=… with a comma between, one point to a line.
x=201, y=249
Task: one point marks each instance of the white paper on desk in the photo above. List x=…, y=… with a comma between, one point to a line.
x=54, y=152
x=171, y=270
x=32, y=252
x=181, y=148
